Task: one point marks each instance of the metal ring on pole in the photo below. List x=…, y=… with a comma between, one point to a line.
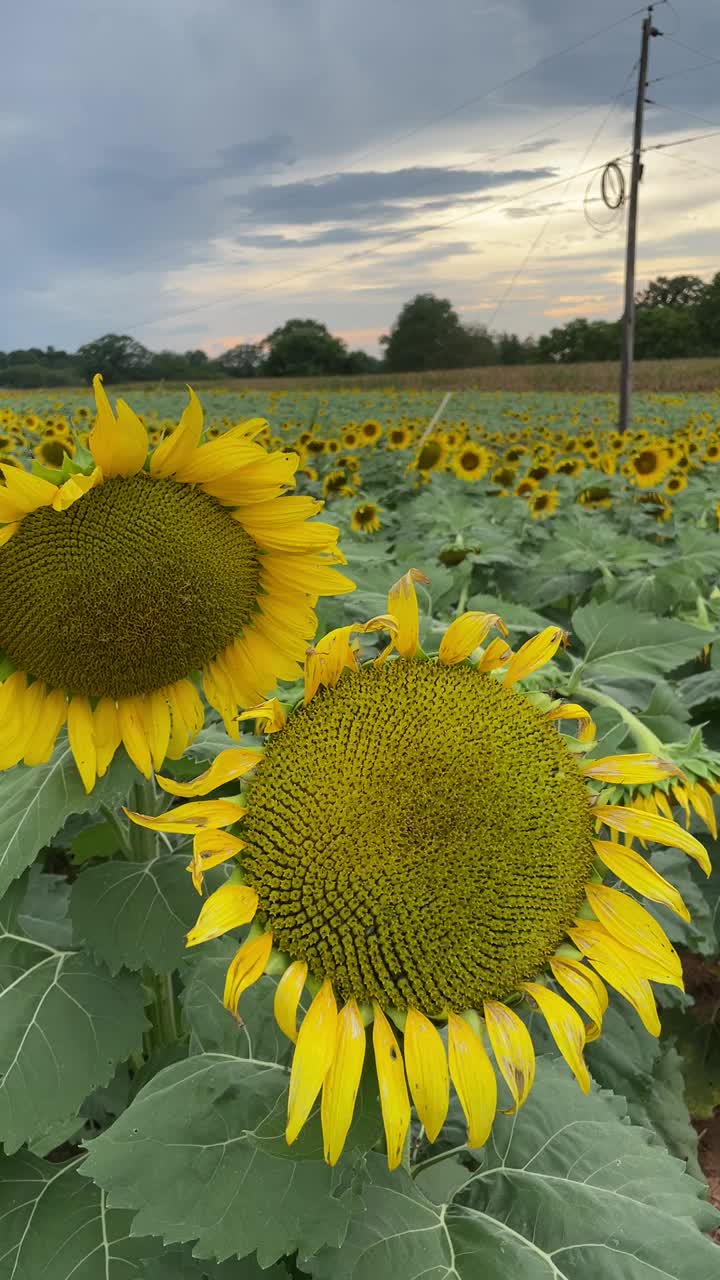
x=612, y=185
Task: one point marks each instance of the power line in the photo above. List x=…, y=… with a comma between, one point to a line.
x=692, y=115
x=684, y=71
x=701, y=53
x=679, y=142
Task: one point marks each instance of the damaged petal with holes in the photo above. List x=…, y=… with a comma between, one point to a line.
x=425, y=852
x=126, y=588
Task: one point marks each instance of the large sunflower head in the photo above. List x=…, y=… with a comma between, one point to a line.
x=422, y=849
x=122, y=584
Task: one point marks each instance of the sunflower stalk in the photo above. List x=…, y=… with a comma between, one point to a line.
x=644, y=738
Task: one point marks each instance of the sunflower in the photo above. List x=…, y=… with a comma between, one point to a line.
x=366, y=518
x=337, y=484
x=655, y=505
x=398, y=438
x=472, y=462
x=540, y=472
x=569, y=466
x=421, y=848
x=119, y=585
x=431, y=455
x=595, y=497
x=543, y=503
x=676, y=484
x=650, y=465
x=52, y=453
x=370, y=431
x=524, y=488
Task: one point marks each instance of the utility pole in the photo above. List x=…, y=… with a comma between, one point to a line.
x=628, y=322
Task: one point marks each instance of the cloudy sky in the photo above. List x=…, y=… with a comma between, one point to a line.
x=194, y=172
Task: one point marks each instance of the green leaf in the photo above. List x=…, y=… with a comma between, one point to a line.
x=620, y=642
x=36, y=802
x=515, y=616
x=699, y=689
x=648, y=1073
x=212, y=1028
x=565, y=1191
x=64, y=1024
x=98, y=841
x=221, y=1171
x=177, y=1263
x=58, y=1226
x=135, y=913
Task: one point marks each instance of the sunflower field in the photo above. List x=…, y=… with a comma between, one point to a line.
x=359, y=859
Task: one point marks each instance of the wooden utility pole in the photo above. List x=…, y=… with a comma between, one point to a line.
x=628, y=323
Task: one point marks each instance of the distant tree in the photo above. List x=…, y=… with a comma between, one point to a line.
x=362, y=362
x=671, y=291
x=581, y=340
x=708, y=318
x=241, y=361
x=428, y=334
x=303, y=348
x=666, y=333
x=118, y=357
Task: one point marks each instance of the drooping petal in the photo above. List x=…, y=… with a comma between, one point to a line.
x=229, y=907
x=312, y=1059
x=631, y=770
x=107, y=734
x=614, y=962
x=649, y=827
x=474, y=1079
x=246, y=967
x=636, y=929
x=156, y=717
x=210, y=849
x=287, y=998
x=497, y=654
x=394, y=1100
x=427, y=1072
x=131, y=722
x=513, y=1049
x=534, y=654
x=586, y=989
x=227, y=765
x=81, y=737
x=342, y=1081
x=26, y=491
x=638, y=874
x=702, y=803
x=465, y=634
x=76, y=487
x=269, y=716
x=175, y=452
x=403, y=606
x=573, y=711
x=51, y=719
x=566, y=1027
x=186, y=819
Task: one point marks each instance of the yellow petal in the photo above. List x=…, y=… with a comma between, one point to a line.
x=473, y=1078
x=342, y=1081
x=8, y=531
x=573, y=711
x=513, y=1049
x=27, y=491
x=614, y=964
x=81, y=737
x=427, y=1072
x=247, y=966
x=76, y=487
x=229, y=907
x=403, y=607
x=534, y=654
x=566, y=1027
x=635, y=928
x=312, y=1059
x=586, y=989
x=119, y=446
x=394, y=1100
x=497, y=654
x=702, y=803
x=287, y=998
x=269, y=716
x=632, y=770
x=186, y=819
x=177, y=450
x=131, y=722
x=210, y=849
x=227, y=765
x=648, y=827
x=107, y=734
x=51, y=719
x=465, y=634
x=633, y=869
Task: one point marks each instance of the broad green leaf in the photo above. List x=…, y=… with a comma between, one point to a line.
x=36, y=803
x=58, y=1226
x=99, y=841
x=212, y=1029
x=64, y=1024
x=702, y=688
x=515, y=616
x=177, y=1263
x=620, y=642
x=221, y=1172
x=565, y=1191
x=665, y=713
x=648, y=1073
x=135, y=913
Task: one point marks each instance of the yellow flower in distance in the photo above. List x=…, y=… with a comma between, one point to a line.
x=366, y=518
x=119, y=586
x=422, y=849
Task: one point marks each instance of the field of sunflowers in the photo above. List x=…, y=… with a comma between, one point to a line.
x=359, y=858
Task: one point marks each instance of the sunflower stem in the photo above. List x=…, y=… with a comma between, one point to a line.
x=119, y=828
x=160, y=1009
x=644, y=738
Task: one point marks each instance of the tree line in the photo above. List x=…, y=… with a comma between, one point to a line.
x=676, y=316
